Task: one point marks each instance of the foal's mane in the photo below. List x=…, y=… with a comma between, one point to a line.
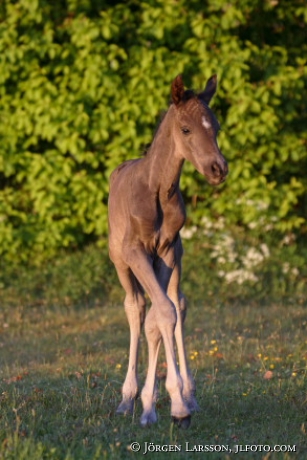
x=161, y=118
x=187, y=95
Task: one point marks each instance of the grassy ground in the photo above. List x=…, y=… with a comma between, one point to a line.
x=63, y=356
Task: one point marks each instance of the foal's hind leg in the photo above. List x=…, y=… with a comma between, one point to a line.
x=149, y=391
x=135, y=311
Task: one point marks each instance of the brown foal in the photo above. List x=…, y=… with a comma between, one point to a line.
x=146, y=213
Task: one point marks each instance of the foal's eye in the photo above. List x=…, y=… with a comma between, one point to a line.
x=185, y=130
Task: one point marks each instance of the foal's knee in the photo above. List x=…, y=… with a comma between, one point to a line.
x=152, y=331
x=166, y=315
x=135, y=306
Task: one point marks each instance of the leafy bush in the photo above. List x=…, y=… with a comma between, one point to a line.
x=82, y=85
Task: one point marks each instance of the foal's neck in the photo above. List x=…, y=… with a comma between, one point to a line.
x=163, y=161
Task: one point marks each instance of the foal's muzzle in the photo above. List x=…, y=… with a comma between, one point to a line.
x=219, y=171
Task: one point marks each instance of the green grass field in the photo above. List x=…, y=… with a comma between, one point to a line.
x=64, y=349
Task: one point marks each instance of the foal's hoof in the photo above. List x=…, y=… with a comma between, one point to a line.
x=148, y=418
x=192, y=405
x=183, y=422
x=126, y=407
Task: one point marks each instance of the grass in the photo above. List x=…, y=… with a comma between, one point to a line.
x=64, y=350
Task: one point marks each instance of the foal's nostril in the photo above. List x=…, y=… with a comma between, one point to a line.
x=216, y=170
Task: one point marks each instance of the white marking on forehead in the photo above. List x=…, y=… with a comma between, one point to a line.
x=205, y=122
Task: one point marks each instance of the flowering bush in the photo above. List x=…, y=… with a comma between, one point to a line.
x=83, y=83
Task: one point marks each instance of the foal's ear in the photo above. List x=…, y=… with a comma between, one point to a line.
x=210, y=89
x=177, y=89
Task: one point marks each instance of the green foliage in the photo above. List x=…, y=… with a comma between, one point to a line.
x=83, y=83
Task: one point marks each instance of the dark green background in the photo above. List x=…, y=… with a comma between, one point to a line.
x=83, y=83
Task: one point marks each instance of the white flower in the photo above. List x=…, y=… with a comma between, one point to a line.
x=252, y=258
x=285, y=267
x=295, y=271
x=187, y=233
x=221, y=260
x=288, y=239
x=265, y=250
x=239, y=276
x=206, y=222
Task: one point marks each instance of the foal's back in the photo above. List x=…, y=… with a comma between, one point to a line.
x=133, y=214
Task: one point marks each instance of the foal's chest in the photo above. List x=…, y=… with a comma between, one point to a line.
x=156, y=219
x=171, y=218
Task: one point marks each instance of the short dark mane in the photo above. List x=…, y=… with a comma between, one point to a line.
x=187, y=95
x=147, y=146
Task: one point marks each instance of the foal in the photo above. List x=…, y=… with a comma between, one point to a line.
x=146, y=212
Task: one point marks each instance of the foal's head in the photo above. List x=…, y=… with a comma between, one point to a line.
x=195, y=130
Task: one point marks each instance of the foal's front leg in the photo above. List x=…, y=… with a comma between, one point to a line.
x=165, y=318
x=175, y=294
x=187, y=380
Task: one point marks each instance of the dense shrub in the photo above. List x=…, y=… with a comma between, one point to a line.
x=82, y=85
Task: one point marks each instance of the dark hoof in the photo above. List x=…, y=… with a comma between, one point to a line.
x=183, y=423
x=126, y=407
